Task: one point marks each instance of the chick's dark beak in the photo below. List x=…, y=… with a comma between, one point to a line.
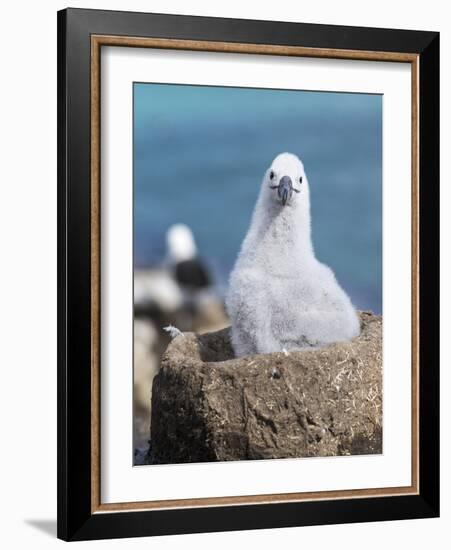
x=285, y=189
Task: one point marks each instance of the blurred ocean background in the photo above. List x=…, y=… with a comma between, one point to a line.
x=200, y=154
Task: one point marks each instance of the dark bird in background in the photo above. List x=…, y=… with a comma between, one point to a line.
x=189, y=270
x=192, y=274
x=180, y=291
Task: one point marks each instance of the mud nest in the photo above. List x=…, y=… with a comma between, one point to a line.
x=208, y=405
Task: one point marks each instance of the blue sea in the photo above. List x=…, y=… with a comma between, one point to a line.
x=200, y=154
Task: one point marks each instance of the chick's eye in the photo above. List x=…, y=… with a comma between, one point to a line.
x=271, y=175
x=300, y=179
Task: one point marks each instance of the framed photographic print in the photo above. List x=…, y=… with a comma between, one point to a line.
x=248, y=274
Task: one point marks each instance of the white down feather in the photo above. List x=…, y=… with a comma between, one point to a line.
x=280, y=296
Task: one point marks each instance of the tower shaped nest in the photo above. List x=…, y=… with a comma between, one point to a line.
x=208, y=405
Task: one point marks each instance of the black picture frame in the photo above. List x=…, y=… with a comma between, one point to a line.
x=76, y=521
